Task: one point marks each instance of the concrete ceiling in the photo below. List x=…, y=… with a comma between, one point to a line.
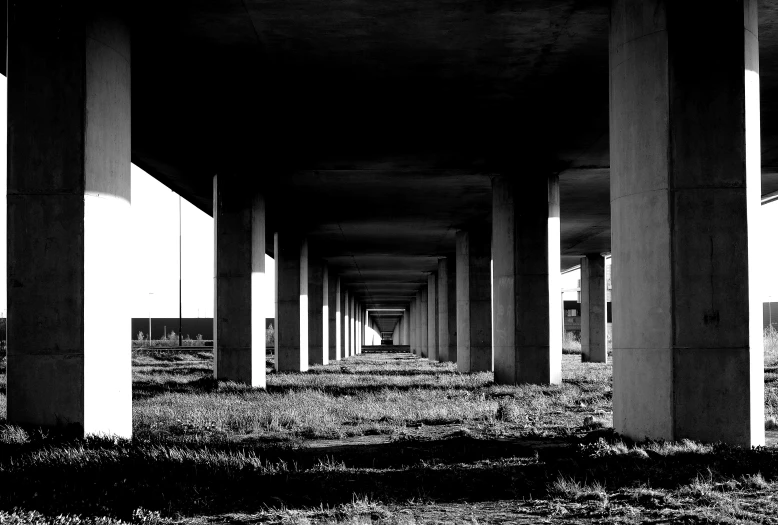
x=375, y=126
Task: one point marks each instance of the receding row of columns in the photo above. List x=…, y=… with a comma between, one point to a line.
x=685, y=183
x=317, y=321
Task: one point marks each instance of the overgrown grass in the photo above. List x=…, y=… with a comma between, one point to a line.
x=375, y=439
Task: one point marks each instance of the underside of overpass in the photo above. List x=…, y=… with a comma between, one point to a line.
x=396, y=155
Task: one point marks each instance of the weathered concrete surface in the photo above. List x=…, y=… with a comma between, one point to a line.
x=441, y=284
x=317, y=348
x=345, y=330
x=292, y=313
x=425, y=324
x=334, y=315
x=526, y=292
x=68, y=219
x=447, y=309
x=474, y=301
x=432, y=317
x=240, y=284
x=352, y=334
x=594, y=344
x=406, y=338
x=685, y=143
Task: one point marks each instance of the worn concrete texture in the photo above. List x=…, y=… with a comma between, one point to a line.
x=292, y=313
x=474, y=301
x=684, y=183
x=68, y=211
x=594, y=344
x=239, y=325
x=526, y=293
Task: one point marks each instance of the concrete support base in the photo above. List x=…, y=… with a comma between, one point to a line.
x=527, y=297
x=68, y=219
x=474, y=301
x=239, y=323
x=594, y=344
x=292, y=314
x=685, y=186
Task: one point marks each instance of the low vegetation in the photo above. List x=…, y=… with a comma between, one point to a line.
x=379, y=438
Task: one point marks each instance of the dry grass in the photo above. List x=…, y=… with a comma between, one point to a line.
x=376, y=439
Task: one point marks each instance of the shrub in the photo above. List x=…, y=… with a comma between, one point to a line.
x=571, y=344
x=270, y=337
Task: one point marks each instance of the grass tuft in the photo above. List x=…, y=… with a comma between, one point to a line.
x=13, y=435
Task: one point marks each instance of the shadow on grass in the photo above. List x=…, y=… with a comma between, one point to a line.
x=208, y=385
x=187, y=479
x=386, y=373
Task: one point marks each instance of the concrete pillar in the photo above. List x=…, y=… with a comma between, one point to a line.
x=594, y=345
x=525, y=251
x=334, y=314
x=345, y=322
x=396, y=334
x=406, y=327
x=425, y=324
x=359, y=328
x=318, y=324
x=447, y=311
x=292, y=313
x=412, y=325
x=68, y=219
x=239, y=284
x=474, y=301
x=352, y=334
x=685, y=185
x=421, y=335
x=432, y=317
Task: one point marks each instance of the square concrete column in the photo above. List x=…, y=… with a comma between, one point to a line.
x=334, y=314
x=412, y=326
x=425, y=323
x=68, y=218
x=345, y=328
x=352, y=333
x=447, y=311
x=406, y=328
x=292, y=313
x=685, y=188
x=358, y=328
x=526, y=274
x=432, y=317
x=318, y=322
x=594, y=344
x=239, y=285
x=474, y=300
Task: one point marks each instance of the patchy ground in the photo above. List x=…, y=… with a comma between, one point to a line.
x=378, y=438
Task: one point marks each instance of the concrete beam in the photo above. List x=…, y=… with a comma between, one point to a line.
x=68, y=218
x=685, y=178
x=527, y=292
